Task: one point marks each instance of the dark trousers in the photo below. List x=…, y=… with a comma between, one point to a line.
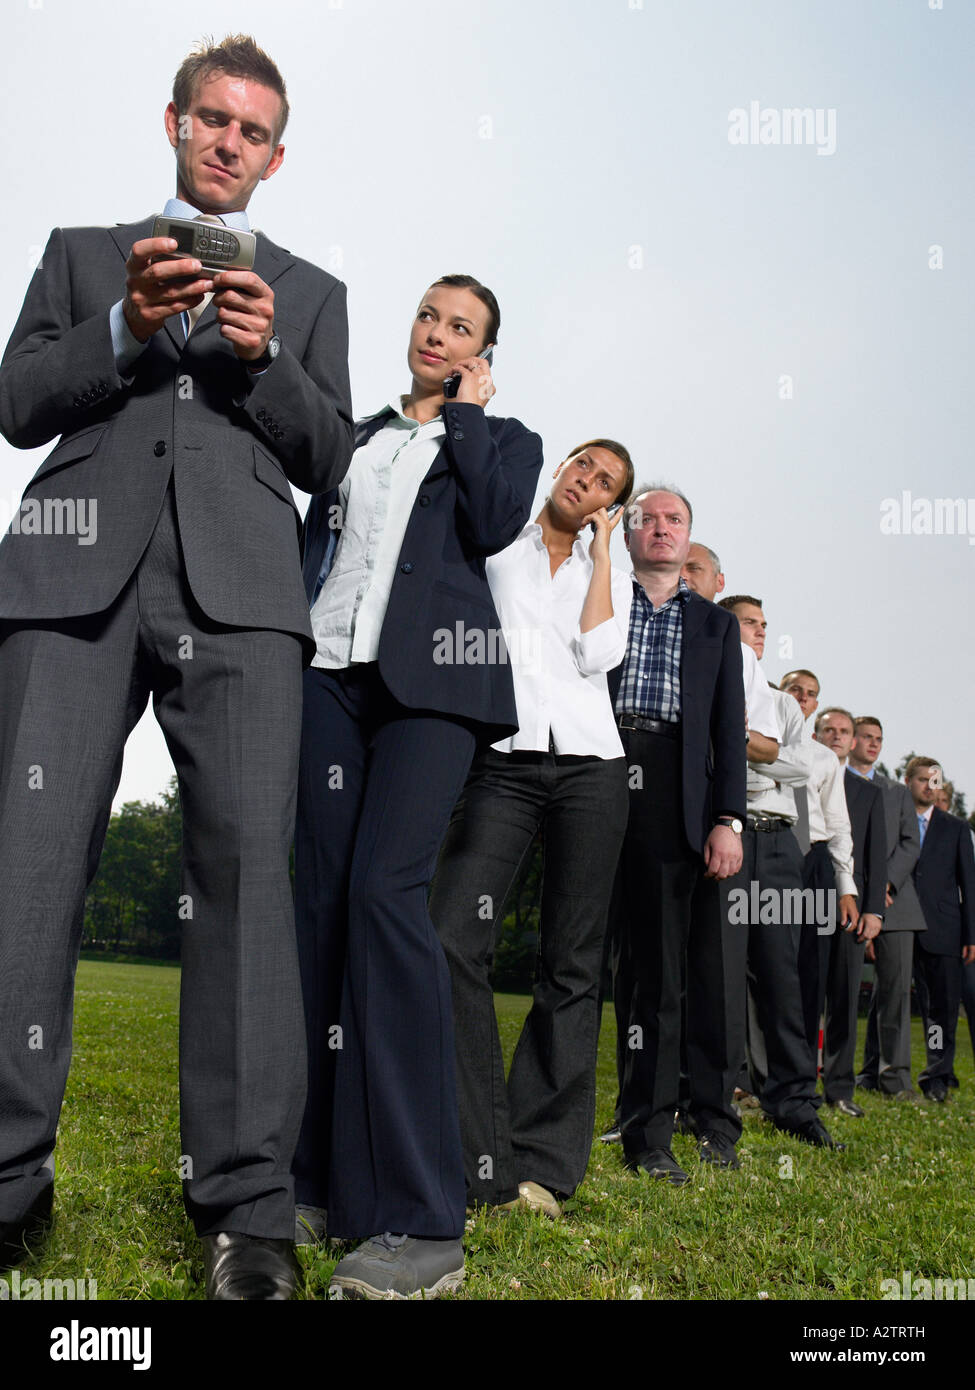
x=887, y=1048
x=666, y=926
x=968, y=999
x=937, y=980
x=538, y=1126
x=228, y=701
x=380, y=1143
x=782, y=1065
x=830, y=970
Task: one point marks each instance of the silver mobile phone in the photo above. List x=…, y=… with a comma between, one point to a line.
x=215, y=247
x=611, y=511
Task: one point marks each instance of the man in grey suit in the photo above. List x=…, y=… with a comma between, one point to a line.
x=887, y=1050
x=185, y=401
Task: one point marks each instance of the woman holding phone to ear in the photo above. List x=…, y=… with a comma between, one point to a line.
x=393, y=560
x=565, y=613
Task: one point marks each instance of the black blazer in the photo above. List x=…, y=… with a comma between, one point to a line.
x=712, y=717
x=189, y=413
x=945, y=881
x=474, y=501
x=865, y=803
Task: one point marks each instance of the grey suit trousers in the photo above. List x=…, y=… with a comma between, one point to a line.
x=887, y=1050
x=229, y=702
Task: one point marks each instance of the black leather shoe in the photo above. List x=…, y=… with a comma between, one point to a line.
x=937, y=1091
x=659, y=1163
x=249, y=1267
x=847, y=1107
x=18, y=1236
x=613, y=1135
x=717, y=1150
x=810, y=1132
x=867, y=1083
x=684, y=1123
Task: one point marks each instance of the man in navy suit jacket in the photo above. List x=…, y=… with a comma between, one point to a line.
x=944, y=877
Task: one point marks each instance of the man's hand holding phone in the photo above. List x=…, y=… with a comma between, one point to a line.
x=157, y=289
x=245, y=311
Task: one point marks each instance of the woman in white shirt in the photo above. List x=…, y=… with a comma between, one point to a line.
x=565, y=614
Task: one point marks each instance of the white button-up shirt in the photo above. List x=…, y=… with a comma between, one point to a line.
x=559, y=672
x=829, y=817
x=376, y=498
x=769, y=785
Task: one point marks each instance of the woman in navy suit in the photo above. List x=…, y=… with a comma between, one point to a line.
x=399, y=694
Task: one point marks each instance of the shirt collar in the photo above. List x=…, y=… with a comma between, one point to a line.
x=395, y=408
x=175, y=207
x=926, y=815
x=867, y=776
x=683, y=593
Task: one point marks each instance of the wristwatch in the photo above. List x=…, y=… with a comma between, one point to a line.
x=259, y=364
x=732, y=822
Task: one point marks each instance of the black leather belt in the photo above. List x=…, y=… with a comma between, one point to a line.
x=667, y=727
x=767, y=823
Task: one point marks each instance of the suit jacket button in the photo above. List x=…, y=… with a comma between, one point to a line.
x=78, y=402
x=458, y=434
x=159, y=448
x=407, y=567
x=424, y=500
x=262, y=414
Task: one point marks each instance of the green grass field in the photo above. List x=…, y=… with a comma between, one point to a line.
x=792, y=1223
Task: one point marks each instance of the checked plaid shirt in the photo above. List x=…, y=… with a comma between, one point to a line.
x=650, y=680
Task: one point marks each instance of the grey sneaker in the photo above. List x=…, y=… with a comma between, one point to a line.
x=389, y=1266
x=310, y=1225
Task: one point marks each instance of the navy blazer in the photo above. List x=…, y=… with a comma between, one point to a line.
x=712, y=696
x=945, y=881
x=865, y=803
x=473, y=501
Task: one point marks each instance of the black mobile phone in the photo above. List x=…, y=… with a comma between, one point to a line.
x=452, y=382
x=610, y=512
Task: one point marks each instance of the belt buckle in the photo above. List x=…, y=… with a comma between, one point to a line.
x=620, y=722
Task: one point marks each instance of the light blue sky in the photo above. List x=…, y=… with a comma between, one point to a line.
x=608, y=131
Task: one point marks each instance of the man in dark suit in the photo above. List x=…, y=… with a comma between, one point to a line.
x=679, y=702
x=887, y=1049
x=841, y=955
x=945, y=880
x=182, y=419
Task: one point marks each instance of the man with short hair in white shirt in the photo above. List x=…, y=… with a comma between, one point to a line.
x=762, y=898
x=828, y=872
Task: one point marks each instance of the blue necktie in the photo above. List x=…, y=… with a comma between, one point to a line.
x=922, y=825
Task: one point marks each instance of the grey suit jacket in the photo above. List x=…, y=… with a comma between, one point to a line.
x=231, y=442
x=904, y=849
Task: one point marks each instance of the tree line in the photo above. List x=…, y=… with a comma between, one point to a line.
x=132, y=907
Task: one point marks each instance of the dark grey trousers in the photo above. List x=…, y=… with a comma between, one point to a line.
x=938, y=981
x=538, y=1125
x=887, y=1050
x=229, y=704
x=782, y=1065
